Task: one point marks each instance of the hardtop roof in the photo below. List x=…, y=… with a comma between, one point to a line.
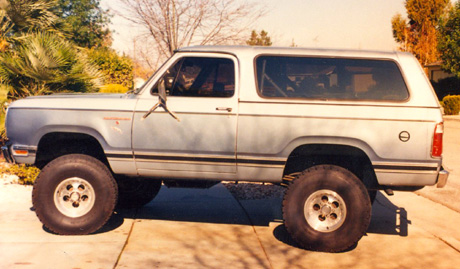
x=259, y=50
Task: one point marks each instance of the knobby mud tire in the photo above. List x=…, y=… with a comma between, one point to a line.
x=74, y=195
x=345, y=199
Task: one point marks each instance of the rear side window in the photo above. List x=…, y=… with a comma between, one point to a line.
x=329, y=78
x=200, y=77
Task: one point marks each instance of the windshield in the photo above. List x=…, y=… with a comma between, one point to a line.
x=141, y=88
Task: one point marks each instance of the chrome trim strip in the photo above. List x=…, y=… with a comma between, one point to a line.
x=187, y=159
x=248, y=161
x=200, y=159
x=405, y=164
x=413, y=168
x=31, y=149
x=223, y=113
x=405, y=168
x=119, y=156
x=332, y=103
x=261, y=165
x=328, y=118
x=74, y=109
x=116, y=159
x=404, y=171
x=260, y=157
x=185, y=162
x=139, y=153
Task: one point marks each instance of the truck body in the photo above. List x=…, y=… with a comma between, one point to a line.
x=249, y=114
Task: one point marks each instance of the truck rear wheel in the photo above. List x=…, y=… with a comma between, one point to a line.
x=74, y=194
x=136, y=192
x=326, y=208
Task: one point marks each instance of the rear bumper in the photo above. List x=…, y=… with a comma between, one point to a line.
x=442, y=178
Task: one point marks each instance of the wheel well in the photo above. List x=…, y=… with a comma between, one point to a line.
x=54, y=145
x=348, y=157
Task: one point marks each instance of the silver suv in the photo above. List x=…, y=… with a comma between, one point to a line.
x=333, y=126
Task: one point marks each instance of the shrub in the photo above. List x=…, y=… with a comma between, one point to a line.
x=451, y=104
x=2, y=120
x=113, y=88
x=26, y=173
x=116, y=69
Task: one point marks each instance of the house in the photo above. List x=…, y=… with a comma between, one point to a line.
x=435, y=73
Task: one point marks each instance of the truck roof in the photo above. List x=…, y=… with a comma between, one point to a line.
x=256, y=50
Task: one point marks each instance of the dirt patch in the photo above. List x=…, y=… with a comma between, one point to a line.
x=254, y=191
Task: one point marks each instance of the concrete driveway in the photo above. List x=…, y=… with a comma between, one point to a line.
x=187, y=228
x=191, y=228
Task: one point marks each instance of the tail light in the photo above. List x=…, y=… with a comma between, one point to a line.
x=436, y=150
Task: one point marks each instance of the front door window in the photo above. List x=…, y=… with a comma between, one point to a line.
x=200, y=77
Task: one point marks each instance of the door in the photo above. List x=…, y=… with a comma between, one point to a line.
x=201, y=91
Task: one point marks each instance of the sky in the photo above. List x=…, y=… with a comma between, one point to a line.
x=347, y=24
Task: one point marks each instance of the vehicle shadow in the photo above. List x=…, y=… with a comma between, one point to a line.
x=216, y=205
x=387, y=218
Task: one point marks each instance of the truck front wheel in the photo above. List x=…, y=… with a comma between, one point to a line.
x=74, y=194
x=326, y=208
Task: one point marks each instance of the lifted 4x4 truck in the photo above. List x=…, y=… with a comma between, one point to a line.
x=334, y=126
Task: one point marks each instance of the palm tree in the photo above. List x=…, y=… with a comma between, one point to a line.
x=44, y=63
x=31, y=15
x=5, y=30
x=34, y=56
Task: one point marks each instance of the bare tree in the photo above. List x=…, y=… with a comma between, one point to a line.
x=172, y=24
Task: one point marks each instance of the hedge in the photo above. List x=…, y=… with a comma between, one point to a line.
x=113, y=88
x=451, y=104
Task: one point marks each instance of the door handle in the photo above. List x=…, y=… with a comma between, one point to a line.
x=228, y=109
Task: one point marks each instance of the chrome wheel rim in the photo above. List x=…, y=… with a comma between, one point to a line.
x=325, y=211
x=74, y=197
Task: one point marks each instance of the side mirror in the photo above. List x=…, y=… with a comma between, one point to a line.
x=162, y=92
x=161, y=101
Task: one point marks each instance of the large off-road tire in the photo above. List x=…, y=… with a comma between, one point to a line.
x=136, y=192
x=74, y=194
x=326, y=208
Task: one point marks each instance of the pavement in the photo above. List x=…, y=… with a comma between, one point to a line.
x=448, y=196
x=209, y=228
x=451, y=117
